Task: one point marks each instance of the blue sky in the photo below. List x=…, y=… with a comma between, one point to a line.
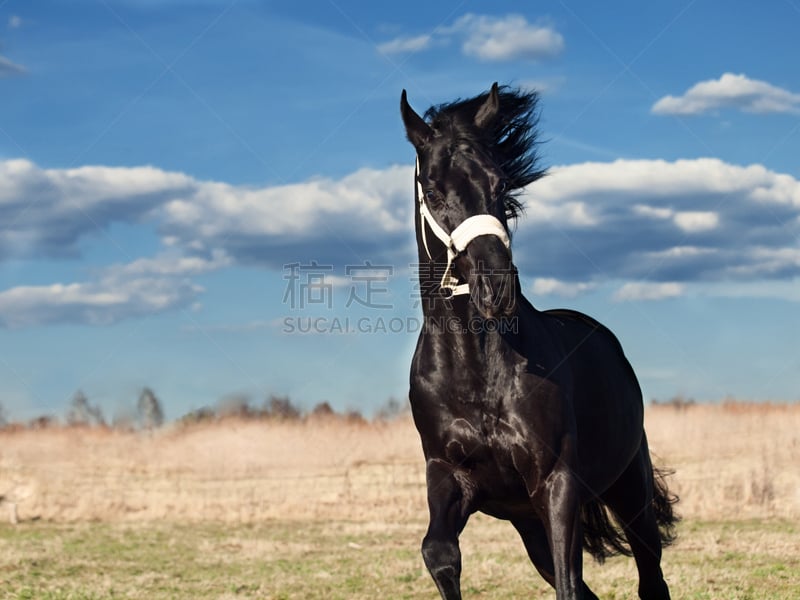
x=162, y=164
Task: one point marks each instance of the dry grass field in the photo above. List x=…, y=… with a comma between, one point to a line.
x=331, y=508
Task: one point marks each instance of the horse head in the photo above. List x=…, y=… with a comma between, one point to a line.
x=471, y=156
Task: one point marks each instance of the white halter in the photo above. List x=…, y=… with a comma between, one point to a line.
x=456, y=241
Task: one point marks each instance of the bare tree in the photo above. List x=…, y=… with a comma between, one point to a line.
x=149, y=410
x=82, y=412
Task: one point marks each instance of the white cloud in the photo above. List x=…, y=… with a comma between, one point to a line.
x=507, y=38
x=549, y=286
x=14, y=22
x=365, y=212
x=694, y=221
x=689, y=221
x=653, y=212
x=540, y=210
x=8, y=68
x=654, y=178
x=681, y=252
x=685, y=221
x=405, y=44
x=639, y=290
x=544, y=86
x=142, y=287
x=365, y=198
x=94, y=303
x=205, y=226
x=675, y=191
x=673, y=224
x=488, y=38
x=768, y=261
x=45, y=212
x=170, y=265
x=730, y=91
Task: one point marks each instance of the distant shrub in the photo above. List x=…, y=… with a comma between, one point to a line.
x=123, y=421
x=198, y=415
x=392, y=409
x=281, y=407
x=679, y=402
x=354, y=416
x=237, y=405
x=43, y=422
x=323, y=409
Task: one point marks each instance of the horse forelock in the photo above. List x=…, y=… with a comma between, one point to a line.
x=510, y=139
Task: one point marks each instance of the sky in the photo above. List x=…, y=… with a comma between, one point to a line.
x=215, y=198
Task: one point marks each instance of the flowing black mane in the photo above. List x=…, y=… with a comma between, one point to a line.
x=511, y=140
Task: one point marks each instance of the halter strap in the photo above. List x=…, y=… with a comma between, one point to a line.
x=458, y=240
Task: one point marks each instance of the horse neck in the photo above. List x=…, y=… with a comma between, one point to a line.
x=455, y=325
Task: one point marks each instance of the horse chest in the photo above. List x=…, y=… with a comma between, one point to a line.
x=481, y=442
x=482, y=457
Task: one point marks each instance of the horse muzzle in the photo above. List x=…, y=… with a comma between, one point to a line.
x=491, y=275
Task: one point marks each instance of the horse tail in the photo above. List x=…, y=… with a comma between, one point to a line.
x=663, y=507
x=603, y=536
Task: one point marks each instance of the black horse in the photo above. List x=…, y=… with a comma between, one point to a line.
x=531, y=416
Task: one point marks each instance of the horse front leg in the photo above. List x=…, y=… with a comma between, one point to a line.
x=561, y=499
x=534, y=536
x=449, y=510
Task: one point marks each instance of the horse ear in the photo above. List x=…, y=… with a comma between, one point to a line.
x=488, y=111
x=417, y=130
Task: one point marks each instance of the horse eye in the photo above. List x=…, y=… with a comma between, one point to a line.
x=430, y=195
x=502, y=185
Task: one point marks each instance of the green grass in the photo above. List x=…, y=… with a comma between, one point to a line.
x=344, y=560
